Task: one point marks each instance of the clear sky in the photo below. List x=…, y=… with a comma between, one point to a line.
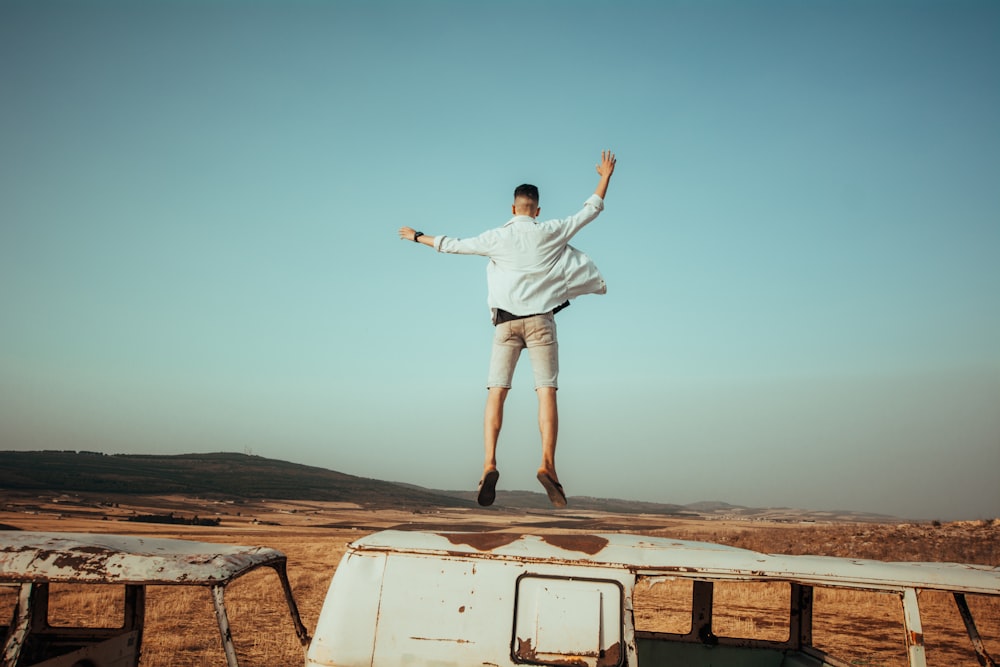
x=198, y=250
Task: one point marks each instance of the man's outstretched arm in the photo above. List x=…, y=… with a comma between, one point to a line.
x=605, y=168
x=410, y=234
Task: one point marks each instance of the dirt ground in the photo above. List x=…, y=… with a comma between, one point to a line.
x=180, y=629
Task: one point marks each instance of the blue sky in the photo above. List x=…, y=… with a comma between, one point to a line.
x=198, y=252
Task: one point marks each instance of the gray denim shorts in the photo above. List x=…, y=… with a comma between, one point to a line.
x=538, y=334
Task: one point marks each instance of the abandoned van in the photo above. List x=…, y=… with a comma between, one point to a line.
x=32, y=562
x=501, y=599
x=466, y=599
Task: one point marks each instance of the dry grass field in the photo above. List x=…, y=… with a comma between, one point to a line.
x=180, y=630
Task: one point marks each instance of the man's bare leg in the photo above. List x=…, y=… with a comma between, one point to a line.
x=548, y=424
x=492, y=422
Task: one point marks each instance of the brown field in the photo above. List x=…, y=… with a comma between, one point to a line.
x=181, y=632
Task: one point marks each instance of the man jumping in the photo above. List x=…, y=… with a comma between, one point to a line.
x=533, y=272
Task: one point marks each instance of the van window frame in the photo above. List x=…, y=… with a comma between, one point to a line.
x=620, y=625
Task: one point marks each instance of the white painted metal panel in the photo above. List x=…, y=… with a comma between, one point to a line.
x=650, y=555
x=568, y=621
x=345, y=631
x=95, y=558
x=445, y=611
x=435, y=609
x=914, y=629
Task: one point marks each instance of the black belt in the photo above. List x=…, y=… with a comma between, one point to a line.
x=504, y=316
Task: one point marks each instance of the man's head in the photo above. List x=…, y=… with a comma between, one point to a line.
x=526, y=201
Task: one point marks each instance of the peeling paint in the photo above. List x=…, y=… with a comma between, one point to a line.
x=588, y=544
x=35, y=559
x=570, y=635
x=85, y=558
x=646, y=555
x=527, y=653
x=524, y=649
x=482, y=541
x=610, y=657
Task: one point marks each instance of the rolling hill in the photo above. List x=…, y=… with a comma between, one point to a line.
x=232, y=476
x=217, y=475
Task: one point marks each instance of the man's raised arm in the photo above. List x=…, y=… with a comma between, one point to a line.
x=605, y=168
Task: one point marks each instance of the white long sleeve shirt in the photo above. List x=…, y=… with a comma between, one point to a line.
x=532, y=267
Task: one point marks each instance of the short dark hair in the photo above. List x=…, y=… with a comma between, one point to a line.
x=527, y=191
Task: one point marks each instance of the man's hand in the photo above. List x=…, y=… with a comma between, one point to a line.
x=410, y=234
x=605, y=168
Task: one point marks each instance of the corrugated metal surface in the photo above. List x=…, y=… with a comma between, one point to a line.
x=684, y=558
x=90, y=558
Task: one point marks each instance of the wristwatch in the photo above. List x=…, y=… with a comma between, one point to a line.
x=417, y=236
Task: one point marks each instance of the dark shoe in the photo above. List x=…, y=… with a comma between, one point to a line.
x=556, y=494
x=488, y=487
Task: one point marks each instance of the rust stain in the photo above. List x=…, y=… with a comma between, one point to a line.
x=461, y=610
x=524, y=650
x=569, y=661
x=50, y=557
x=482, y=541
x=588, y=544
x=916, y=638
x=93, y=564
x=680, y=568
x=611, y=656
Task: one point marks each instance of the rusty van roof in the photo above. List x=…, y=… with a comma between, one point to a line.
x=687, y=559
x=90, y=558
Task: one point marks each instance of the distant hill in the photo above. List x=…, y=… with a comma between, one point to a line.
x=242, y=476
x=228, y=476
x=220, y=475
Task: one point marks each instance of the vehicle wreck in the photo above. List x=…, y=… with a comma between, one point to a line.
x=404, y=598
x=32, y=561
x=499, y=599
